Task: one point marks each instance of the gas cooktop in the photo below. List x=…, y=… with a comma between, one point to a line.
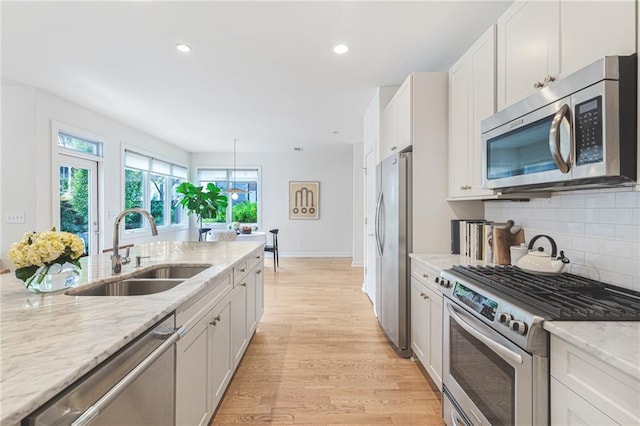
x=560, y=297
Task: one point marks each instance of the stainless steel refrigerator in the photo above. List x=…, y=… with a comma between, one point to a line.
x=394, y=243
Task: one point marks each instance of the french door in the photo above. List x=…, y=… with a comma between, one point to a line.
x=77, y=197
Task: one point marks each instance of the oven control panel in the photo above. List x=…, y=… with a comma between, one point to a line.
x=476, y=301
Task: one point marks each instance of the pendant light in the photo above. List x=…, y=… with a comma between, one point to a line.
x=234, y=191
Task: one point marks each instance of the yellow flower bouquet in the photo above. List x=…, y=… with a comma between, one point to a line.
x=47, y=261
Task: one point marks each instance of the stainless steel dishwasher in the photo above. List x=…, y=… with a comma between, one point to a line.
x=135, y=386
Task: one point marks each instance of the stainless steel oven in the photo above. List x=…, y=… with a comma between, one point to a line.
x=488, y=378
x=579, y=131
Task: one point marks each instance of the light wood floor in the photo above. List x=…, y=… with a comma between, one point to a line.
x=319, y=357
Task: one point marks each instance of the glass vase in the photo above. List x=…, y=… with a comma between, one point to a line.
x=53, y=277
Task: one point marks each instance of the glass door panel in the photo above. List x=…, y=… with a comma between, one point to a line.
x=78, y=195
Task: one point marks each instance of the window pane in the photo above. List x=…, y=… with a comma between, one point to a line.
x=79, y=144
x=133, y=196
x=74, y=202
x=157, y=196
x=244, y=209
x=211, y=175
x=177, y=212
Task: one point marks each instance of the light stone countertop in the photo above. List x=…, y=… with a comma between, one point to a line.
x=445, y=261
x=616, y=343
x=49, y=340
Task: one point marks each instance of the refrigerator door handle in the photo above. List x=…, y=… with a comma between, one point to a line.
x=377, y=224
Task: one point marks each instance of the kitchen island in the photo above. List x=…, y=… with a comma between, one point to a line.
x=50, y=340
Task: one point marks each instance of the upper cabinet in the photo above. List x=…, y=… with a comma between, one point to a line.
x=540, y=42
x=397, y=121
x=471, y=99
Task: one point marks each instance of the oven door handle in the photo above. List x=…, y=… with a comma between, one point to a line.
x=504, y=352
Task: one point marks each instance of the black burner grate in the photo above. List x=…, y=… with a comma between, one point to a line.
x=560, y=297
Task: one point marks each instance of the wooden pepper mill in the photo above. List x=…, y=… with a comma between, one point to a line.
x=505, y=236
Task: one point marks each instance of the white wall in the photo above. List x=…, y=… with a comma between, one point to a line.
x=331, y=234
x=27, y=149
x=358, y=206
x=598, y=230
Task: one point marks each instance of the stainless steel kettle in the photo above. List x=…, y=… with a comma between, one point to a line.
x=537, y=261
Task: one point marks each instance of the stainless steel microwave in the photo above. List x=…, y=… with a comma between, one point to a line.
x=577, y=132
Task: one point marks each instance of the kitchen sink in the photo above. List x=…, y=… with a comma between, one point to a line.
x=128, y=287
x=172, y=271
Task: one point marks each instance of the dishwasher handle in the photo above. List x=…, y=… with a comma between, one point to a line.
x=92, y=412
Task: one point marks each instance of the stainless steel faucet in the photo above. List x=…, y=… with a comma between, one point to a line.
x=116, y=259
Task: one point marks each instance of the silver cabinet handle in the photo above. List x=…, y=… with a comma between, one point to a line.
x=243, y=269
x=216, y=320
x=538, y=84
x=243, y=284
x=424, y=296
x=504, y=352
x=259, y=271
x=549, y=78
x=561, y=117
x=425, y=276
x=393, y=148
x=89, y=415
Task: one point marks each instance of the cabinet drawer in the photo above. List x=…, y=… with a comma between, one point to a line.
x=190, y=312
x=610, y=390
x=424, y=273
x=255, y=258
x=240, y=271
x=569, y=409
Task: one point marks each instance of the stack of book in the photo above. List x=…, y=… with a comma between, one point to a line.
x=472, y=238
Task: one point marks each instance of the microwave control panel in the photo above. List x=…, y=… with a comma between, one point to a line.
x=589, y=138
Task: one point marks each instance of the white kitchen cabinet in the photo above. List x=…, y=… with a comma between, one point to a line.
x=397, y=118
x=220, y=322
x=586, y=390
x=221, y=364
x=426, y=320
x=528, y=48
x=239, y=321
x=193, y=407
x=471, y=99
x=539, y=42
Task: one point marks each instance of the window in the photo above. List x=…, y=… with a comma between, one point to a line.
x=244, y=209
x=79, y=144
x=151, y=184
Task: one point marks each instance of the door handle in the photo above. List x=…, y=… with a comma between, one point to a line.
x=555, y=133
x=506, y=353
x=377, y=224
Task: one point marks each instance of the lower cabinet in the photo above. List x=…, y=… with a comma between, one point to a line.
x=586, y=390
x=426, y=320
x=220, y=324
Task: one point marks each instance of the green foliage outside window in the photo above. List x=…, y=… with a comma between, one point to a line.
x=133, y=197
x=245, y=212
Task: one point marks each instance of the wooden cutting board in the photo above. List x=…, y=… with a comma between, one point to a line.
x=505, y=236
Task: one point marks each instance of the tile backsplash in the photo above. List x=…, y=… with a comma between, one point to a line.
x=599, y=230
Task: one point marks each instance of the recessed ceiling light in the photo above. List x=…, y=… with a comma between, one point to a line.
x=184, y=48
x=341, y=49
x=336, y=132
x=297, y=148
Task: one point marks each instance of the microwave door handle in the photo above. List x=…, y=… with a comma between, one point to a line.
x=555, y=134
x=504, y=352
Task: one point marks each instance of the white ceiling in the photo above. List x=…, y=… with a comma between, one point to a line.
x=262, y=72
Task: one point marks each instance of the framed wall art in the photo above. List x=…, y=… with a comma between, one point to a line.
x=304, y=200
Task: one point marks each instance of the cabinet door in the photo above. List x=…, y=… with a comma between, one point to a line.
x=459, y=91
x=404, y=117
x=570, y=409
x=390, y=130
x=528, y=48
x=483, y=104
x=239, y=321
x=593, y=29
x=259, y=293
x=251, y=302
x=435, y=337
x=420, y=317
x=193, y=399
x=220, y=361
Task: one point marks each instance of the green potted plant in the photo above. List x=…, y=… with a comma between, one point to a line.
x=205, y=202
